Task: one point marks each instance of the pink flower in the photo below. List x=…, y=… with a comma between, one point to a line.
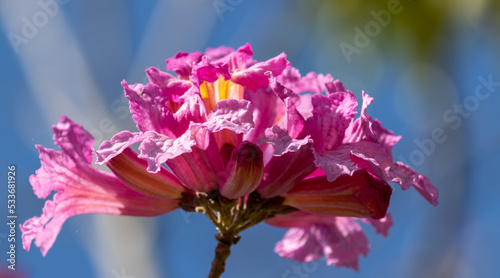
x=232, y=136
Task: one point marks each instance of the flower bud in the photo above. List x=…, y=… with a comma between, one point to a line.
x=244, y=171
x=132, y=171
x=360, y=195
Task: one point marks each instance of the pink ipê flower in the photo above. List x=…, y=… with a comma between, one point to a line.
x=235, y=132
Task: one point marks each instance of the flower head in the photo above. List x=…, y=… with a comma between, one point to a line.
x=236, y=139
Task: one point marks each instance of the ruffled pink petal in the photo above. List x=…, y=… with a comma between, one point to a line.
x=300, y=244
x=335, y=163
x=218, y=52
x=331, y=116
x=312, y=82
x=283, y=172
x=342, y=242
x=183, y=62
x=381, y=225
x=170, y=86
x=210, y=72
x=68, y=134
x=81, y=189
x=292, y=120
x=407, y=177
x=147, y=105
x=254, y=78
x=282, y=143
x=193, y=110
x=236, y=60
x=345, y=242
x=119, y=142
x=267, y=109
x=232, y=114
x=156, y=148
x=367, y=129
x=150, y=112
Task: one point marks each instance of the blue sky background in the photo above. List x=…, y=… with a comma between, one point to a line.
x=73, y=63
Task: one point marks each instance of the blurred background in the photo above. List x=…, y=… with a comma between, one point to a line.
x=431, y=66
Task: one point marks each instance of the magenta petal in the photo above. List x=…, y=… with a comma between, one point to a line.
x=335, y=163
x=170, y=86
x=232, y=114
x=254, y=78
x=312, y=82
x=207, y=71
x=345, y=243
x=342, y=242
x=332, y=115
x=193, y=110
x=294, y=121
x=131, y=170
x=113, y=147
x=218, y=52
x=283, y=172
x=407, y=177
x=68, y=134
x=300, y=244
x=156, y=148
x=183, y=62
x=267, y=107
x=81, y=189
x=236, y=60
x=147, y=105
x=281, y=142
x=367, y=129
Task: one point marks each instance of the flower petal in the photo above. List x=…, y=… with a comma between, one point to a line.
x=300, y=244
x=367, y=129
x=68, y=134
x=157, y=148
x=293, y=120
x=200, y=168
x=281, y=142
x=119, y=142
x=331, y=116
x=170, y=86
x=312, y=82
x=335, y=163
x=345, y=242
x=407, y=177
x=267, y=111
x=292, y=161
x=210, y=72
x=236, y=60
x=182, y=63
x=81, y=189
x=232, y=114
x=342, y=242
x=147, y=105
x=254, y=78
